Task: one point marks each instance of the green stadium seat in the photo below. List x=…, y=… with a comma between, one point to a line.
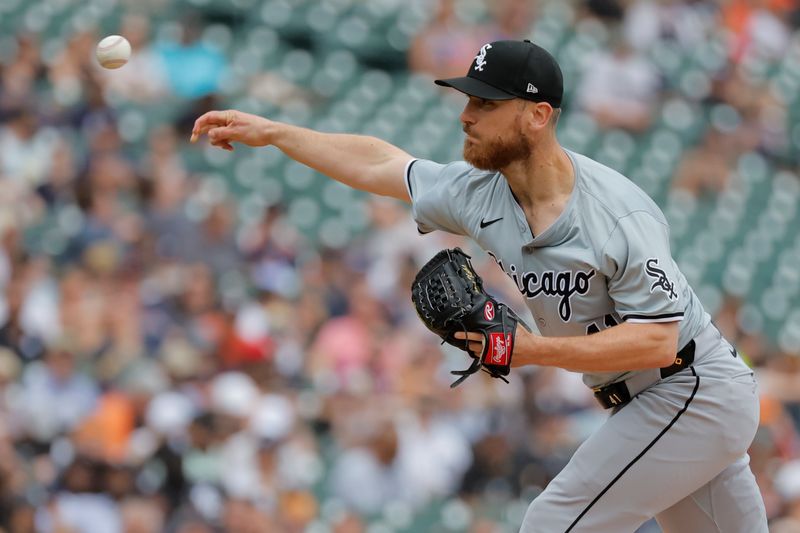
x=711, y=56
x=738, y=277
x=695, y=84
x=692, y=264
x=247, y=171
x=324, y=16
x=334, y=232
x=304, y=212
x=251, y=208
x=789, y=337
x=297, y=66
x=219, y=36
x=669, y=60
x=682, y=118
x=337, y=196
x=270, y=188
x=578, y=131
x=298, y=177
x=710, y=296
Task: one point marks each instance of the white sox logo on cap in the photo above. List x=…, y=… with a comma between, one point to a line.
x=520, y=69
x=480, y=59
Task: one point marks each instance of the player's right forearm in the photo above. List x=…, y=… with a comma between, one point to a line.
x=359, y=161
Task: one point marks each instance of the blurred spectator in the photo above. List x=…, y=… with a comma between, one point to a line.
x=706, y=168
x=511, y=19
x=448, y=43
x=619, y=88
x=144, y=78
x=787, y=482
x=26, y=149
x=366, y=476
x=142, y=515
x=653, y=23
x=22, y=71
x=346, y=347
x=216, y=244
x=55, y=394
x=432, y=454
x=194, y=68
x=611, y=12
x=80, y=505
x=760, y=28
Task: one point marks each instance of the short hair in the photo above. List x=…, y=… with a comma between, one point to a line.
x=555, y=116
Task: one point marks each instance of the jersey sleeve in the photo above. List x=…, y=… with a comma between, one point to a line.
x=436, y=198
x=643, y=280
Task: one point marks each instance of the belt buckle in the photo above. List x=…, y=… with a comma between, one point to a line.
x=612, y=395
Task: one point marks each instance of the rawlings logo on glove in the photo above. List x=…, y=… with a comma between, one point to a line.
x=449, y=297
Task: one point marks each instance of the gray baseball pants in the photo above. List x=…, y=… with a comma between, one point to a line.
x=676, y=452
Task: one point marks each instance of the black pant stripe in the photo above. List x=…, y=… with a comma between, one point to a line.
x=652, y=443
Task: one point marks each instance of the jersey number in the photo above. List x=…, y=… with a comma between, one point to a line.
x=608, y=321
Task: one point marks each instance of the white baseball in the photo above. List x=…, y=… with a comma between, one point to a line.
x=113, y=51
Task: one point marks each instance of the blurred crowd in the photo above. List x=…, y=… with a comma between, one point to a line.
x=166, y=366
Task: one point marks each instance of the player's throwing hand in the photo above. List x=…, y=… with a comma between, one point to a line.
x=226, y=127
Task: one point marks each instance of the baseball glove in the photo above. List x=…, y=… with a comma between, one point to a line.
x=449, y=297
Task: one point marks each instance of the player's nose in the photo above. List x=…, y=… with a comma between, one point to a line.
x=467, y=117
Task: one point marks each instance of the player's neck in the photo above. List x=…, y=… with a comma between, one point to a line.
x=546, y=178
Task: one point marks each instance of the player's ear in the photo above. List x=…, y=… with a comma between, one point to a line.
x=542, y=114
x=537, y=115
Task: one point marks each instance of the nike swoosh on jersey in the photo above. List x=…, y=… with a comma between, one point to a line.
x=485, y=223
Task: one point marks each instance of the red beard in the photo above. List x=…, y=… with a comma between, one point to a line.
x=498, y=153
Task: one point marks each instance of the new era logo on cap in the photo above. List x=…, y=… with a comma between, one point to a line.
x=503, y=70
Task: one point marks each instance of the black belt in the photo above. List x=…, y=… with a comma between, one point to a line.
x=617, y=394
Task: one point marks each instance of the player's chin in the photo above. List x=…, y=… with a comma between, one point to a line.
x=471, y=143
x=472, y=150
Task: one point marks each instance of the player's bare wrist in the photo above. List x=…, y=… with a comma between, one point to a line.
x=525, y=347
x=271, y=132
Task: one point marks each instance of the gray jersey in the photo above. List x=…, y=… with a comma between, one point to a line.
x=605, y=260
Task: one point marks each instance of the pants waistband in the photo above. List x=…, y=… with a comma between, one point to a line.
x=621, y=392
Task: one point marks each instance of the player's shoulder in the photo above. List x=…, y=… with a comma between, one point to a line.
x=609, y=194
x=459, y=176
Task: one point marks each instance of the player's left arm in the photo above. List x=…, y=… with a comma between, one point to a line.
x=628, y=346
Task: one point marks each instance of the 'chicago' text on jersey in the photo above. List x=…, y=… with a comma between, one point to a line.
x=564, y=285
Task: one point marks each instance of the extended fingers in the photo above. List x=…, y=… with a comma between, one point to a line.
x=217, y=134
x=224, y=145
x=210, y=120
x=475, y=344
x=476, y=348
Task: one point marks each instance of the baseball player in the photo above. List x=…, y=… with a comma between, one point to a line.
x=590, y=253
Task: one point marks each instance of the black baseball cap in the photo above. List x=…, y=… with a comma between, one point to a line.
x=503, y=70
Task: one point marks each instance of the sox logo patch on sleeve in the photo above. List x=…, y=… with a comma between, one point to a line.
x=661, y=280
